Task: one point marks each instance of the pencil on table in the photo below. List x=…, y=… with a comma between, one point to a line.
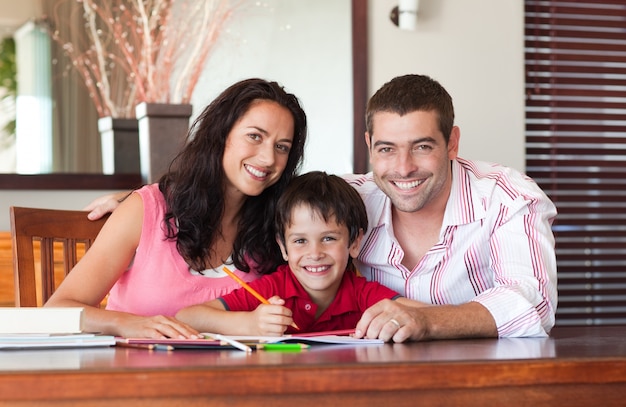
x=147, y=346
x=251, y=290
x=168, y=348
x=283, y=347
x=234, y=343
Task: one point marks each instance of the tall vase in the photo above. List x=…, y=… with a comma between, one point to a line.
x=119, y=139
x=162, y=132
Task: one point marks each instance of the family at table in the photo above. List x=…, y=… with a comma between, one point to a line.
x=431, y=245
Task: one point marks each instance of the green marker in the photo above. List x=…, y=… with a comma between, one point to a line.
x=283, y=347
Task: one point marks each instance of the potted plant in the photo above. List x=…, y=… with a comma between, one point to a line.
x=133, y=53
x=8, y=89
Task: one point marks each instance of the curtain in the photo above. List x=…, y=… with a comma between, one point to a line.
x=76, y=140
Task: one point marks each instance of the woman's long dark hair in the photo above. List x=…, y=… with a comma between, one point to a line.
x=194, y=185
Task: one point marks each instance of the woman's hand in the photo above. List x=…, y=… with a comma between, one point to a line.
x=155, y=327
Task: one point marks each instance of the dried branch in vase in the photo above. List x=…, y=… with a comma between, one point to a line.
x=133, y=51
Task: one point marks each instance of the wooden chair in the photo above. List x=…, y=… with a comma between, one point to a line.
x=72, y=229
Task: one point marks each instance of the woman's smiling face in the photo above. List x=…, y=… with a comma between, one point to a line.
x=257, y=148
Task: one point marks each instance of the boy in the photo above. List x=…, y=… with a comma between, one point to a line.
x=320, y=221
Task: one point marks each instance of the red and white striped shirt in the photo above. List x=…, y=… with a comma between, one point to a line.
x=495, y=247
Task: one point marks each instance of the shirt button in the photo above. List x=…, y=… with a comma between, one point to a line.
x=308, y=307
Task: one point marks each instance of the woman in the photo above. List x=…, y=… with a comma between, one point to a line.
x=164, y=247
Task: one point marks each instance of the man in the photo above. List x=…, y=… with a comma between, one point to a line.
x=470, y=240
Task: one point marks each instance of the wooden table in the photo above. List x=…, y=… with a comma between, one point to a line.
x=574, y=367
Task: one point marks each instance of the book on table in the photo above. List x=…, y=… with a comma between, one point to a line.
x=39, y=327
x=41, y=320
x=54, y=341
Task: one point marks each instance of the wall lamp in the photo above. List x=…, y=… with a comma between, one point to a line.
x=404, y=15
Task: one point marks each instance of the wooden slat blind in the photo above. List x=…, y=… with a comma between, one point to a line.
x=576, y=148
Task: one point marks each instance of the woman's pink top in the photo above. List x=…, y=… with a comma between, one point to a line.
x=159, y=282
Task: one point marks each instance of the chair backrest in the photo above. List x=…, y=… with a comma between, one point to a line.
x=71, y=228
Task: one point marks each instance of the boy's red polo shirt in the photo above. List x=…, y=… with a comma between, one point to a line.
x=354, y=296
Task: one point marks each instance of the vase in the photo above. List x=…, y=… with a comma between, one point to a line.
x=162, y=133
x=119, y=139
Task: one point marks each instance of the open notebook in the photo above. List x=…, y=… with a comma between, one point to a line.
x=313, y=338
x=217, y=341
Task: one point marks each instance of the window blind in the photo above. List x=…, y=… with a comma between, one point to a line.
x=576, y=148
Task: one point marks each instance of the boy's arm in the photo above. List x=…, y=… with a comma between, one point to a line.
x=266, y=320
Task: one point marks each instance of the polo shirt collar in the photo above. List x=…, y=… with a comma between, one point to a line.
x=344, y=300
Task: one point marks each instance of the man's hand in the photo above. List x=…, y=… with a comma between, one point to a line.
x=398, y=320
x=105, y=204
x=404, y=319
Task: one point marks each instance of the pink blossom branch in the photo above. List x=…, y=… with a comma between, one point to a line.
x=214, y=27
x=136, y=55
x=105, y=93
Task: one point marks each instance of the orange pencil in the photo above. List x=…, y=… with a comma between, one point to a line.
x=251, y=290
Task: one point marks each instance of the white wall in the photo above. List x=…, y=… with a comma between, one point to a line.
x=306, y=46
x=475, y=49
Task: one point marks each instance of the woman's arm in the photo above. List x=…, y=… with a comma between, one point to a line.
x=102, y=265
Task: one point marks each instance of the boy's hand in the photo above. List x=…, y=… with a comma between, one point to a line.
x=272, y=319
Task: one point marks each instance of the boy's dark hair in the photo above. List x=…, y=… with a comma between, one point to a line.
x=328, y=196
x=409, y=93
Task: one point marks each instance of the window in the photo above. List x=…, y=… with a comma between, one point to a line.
x=33, y=110
x=576, y=148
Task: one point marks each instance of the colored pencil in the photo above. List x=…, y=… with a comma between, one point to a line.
x=158, y=346
x=251, y=290
x=233, y=343
x=146, y=346
x=339, y=332
x=283, y=347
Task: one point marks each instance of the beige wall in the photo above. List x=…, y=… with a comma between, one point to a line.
x=475, y=49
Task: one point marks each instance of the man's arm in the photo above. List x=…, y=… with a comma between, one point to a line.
x=522, y=257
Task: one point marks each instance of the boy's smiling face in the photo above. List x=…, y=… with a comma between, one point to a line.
x=317, y=252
